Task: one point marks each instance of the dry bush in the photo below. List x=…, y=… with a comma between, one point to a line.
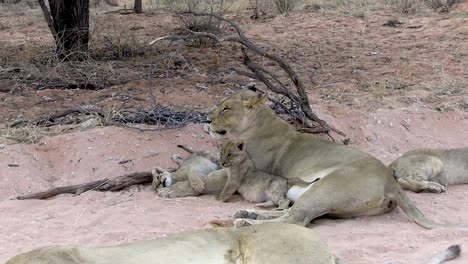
x=99, y=3
x=363, y=6
x=286, y=6
x=442, y=6
x=408, y=6
x=199, y=24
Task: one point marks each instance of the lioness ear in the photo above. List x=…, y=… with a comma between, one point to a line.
x=257, y=100
x=240, y=145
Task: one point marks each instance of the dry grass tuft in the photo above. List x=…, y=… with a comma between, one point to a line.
x=29, y=134
x=442, y=6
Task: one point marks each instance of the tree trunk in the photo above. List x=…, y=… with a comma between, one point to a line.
x=138, y=7
x=71, y=22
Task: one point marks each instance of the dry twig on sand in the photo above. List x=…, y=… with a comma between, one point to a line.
x=113, y=185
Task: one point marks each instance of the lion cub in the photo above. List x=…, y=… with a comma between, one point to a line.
x=431, y=170
x=197, y=164
x=254, y=185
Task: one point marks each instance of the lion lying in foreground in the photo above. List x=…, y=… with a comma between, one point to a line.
x=431, y=170
x=347, y=182
x=274, y=243
x=270, y=243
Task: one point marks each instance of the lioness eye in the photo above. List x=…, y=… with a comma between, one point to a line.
x=226, y=109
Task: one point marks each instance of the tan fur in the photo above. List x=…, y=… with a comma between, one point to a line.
x=431, y=170
x=254, y=185
x=351, y=183
x=273, y=244
x=198, y=164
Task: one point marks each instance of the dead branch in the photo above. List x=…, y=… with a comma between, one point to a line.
x=48, y=120
x=112, y=185
x=301, y=100
x=48, y=18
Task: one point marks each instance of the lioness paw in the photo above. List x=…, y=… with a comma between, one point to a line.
x=197, y=184
x=163, y=192
x=245, y=214
x=242, y=222
x=434, y=187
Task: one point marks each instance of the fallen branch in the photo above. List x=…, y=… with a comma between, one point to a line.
x=47, y=119
x=112, y=185
x=268, y=78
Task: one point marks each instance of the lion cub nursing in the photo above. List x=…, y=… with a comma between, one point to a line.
x=198, y=164
x=431, y=170
x=254, y=185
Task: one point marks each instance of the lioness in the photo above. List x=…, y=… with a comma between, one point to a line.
x=351, y=183
x=198, y=164
x=254, y=185
x=431, y=170
x=273, y=243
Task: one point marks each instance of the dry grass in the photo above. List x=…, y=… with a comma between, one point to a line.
x=442, y=6
x=29, y=134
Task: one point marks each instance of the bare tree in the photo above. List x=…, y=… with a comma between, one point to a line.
x=138, y=7
x=69, y=24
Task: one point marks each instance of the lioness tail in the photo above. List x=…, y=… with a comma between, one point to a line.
x=410, y=209
x=186, y=149
x=450, y=253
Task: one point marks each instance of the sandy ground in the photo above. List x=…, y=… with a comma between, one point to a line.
x=389, y=89
x=95, y=218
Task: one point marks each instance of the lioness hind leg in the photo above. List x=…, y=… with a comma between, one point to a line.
x=291, y=217
x=313, y=203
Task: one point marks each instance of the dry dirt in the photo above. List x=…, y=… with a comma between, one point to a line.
x=389, y=89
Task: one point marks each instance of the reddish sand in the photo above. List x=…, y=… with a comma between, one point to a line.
x=95, y=218
x=390, y=89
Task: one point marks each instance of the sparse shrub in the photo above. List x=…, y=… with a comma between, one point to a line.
x=109, y=2
x=199, y=23
x=442, y=6
x=408, y=6
x=286, y=6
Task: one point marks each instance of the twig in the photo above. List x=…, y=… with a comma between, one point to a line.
x=48, y=19
x=115, y=184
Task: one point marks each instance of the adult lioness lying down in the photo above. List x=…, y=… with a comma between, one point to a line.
x=273, y=243
x=352, y=183
x=431, y=170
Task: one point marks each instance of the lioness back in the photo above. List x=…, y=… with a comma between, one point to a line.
x=275, y=244
x=431, y=169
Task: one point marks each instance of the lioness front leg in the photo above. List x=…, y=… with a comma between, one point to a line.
x=260, y=215
x=414, y=185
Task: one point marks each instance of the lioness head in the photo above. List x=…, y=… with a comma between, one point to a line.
x=232, y=152
x=235, y=113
